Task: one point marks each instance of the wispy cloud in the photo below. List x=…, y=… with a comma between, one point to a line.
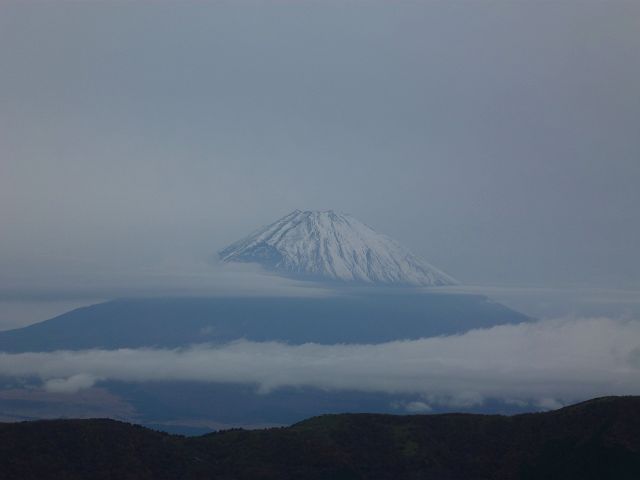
x=541, y=363
x=72, y=384
x=556, y=302
x=35, y=297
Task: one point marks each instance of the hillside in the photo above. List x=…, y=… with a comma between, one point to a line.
x=173, y=322
x=597, y=439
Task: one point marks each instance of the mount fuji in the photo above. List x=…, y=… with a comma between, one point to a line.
x=326, y=245
x=317, y=245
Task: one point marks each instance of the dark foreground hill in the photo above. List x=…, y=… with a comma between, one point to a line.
x=171, y=322
x=599, y=439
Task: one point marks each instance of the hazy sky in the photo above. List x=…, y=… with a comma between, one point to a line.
x=498, y=139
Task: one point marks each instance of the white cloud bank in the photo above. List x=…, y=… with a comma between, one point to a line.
x=539, y=363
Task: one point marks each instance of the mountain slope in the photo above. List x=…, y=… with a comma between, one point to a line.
x=174, y=322
x=333, y=246
x=593, y=440
x=366, y=315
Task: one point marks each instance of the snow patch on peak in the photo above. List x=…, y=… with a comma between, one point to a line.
x=333, y=246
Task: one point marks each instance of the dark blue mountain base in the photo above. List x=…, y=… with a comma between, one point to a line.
x=362, y=316
x=174, y=322
x=223, y=405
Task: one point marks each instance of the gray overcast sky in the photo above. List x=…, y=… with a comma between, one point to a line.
x=498, y=139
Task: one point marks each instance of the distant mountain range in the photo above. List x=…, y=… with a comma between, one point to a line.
x=326, y=245
x=597, y=439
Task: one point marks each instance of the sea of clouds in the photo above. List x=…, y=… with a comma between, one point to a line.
x=546, y=363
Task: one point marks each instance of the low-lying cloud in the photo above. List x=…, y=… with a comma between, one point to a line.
x=543, y=363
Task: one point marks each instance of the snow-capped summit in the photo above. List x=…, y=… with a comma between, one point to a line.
x=333, y=246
